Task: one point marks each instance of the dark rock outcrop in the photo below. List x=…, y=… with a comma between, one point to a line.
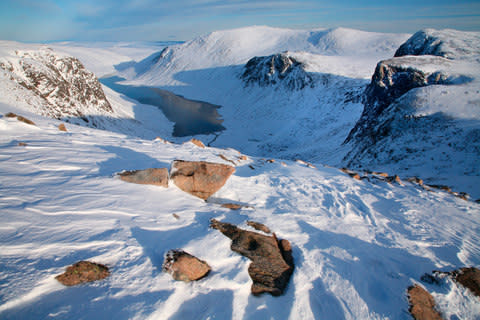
x=422, y=305
x=200, y=178
x=185, y=267
x=275, y=70
x=83, y=271
x=154, y=176
x=272, y=261
x=469, y=278
x=449, y=44
x=392, y=79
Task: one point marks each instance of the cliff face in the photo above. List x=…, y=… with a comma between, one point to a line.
x=57, y=86
x=421, y=110
x=278, y=69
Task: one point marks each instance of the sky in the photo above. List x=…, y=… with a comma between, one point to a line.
x=156, y=20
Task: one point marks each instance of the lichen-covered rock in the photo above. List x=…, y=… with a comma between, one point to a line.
x=83, y=271
x=200, y=178
x=422, y=305
x=185, y=267
x=154, y=176
x=272, y=261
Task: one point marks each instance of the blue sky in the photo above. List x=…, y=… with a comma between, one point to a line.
x=150, y=20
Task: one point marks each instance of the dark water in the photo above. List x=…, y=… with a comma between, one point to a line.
x=190, y=117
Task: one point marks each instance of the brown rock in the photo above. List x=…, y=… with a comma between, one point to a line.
x=243, y=158
x=272, y=262
x=381, y=174
x=62, y=127
x=258, y=226
x=22, y=144
x=83, y=271
x=197, y=142
x=154, y=176
x=200, y=178
x=469, y=278
x=19, y=118
x=185, y=267
x=226, y=159
x=232, y=206
x=422, y=305
x=415, y=180
x=271, y=161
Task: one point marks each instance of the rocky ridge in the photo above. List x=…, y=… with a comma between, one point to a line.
x=55, y=85
x=277, y=69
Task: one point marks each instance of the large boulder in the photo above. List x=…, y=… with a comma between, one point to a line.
x=422, y=305
x=469, y=278
x=185, y=267
x=272, y=261
x=154, y=176
x=200, y=178
x=83, y=271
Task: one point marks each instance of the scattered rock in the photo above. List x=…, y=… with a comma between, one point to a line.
x=176, y=216
x=232, y=206
x=162, y=140
x=394, y=179
x=258, y=226
x=185, y=267
x=243, y=157
x=251, y=167
x=226, y=159
x=83, y=271
x=422, y=305
x=469, y=278
x=154, y=176
x=20, y=118
x=351, y=173
x=272, y=261
x=200, y=178
x=271, y=160
x=22, y=144
x=415, y=180
x=62, y=127
x=440, y=187
x=197, y=142
x=381, y=174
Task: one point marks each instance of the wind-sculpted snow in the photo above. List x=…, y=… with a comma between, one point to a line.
x=357, y=245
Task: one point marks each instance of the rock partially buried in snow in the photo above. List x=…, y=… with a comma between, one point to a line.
x=469, y=278
x=154, y=176
x=272, y=261
x=422, y=305
x=185, y=267
x=197, y=142
x=200, y=178
x=83, y=271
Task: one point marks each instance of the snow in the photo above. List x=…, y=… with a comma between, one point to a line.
x=357, y=245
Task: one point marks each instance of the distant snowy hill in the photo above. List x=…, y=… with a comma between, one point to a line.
x=310, y=123
x=422, y=112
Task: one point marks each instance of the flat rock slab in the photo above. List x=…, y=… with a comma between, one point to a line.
x=200, y=178
x=83, y=271
x=272, y=261
x=154, y=176
x=422, y=305
x=185, y=267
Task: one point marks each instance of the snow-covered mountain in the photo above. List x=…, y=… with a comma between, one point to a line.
x=357, y=245
x=422, y=112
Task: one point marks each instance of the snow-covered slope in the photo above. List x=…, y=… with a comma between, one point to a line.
x=36, y=78
x=310, y=123
x=357, y=245
x=422, y=112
